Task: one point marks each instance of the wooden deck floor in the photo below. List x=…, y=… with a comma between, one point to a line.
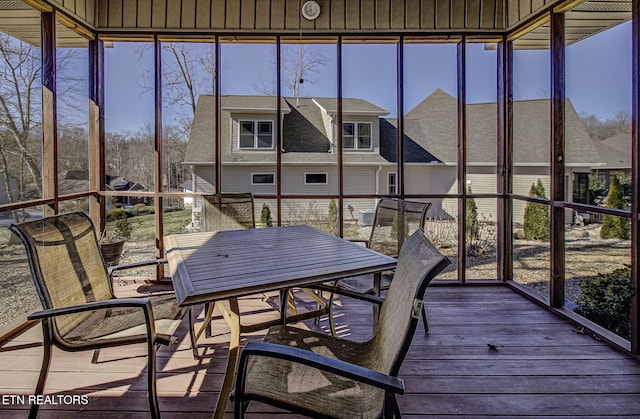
x=540, y=367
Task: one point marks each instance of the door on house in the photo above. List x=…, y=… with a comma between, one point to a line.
x=581, y=188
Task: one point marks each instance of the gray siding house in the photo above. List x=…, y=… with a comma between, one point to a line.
x=310, y=159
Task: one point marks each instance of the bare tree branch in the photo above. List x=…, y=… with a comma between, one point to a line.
x=188, y=70
x=298, y=67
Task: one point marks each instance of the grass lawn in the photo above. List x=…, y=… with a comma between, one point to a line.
x=143, y=227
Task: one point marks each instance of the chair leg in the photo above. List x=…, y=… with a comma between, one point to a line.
x=316, y=320
x=154, y=407
x=208, y=329
x=192, y=335
x=284, y=303
x=44, y=370
x=424, y=319
x=391, y=408
x=239, y=408
x=94, y=358
x=332, y=323
x=396, y=409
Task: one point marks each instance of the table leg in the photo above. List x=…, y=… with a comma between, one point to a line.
x=233, y=320
x=206, y=325
x=284, y=301
x=377, y=278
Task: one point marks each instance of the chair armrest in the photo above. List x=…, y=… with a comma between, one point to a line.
x=112, y=269
x=370, y=298
x=332, y=365
x=144, y=303
x=365, y=241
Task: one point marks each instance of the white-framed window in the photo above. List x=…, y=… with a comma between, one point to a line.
x=392, y=183
x=356, y=135
x=263, y=178
x=315, y=178
x=255, y=135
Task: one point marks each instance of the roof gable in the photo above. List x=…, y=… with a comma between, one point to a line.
x=303, y=128
x=433, y=124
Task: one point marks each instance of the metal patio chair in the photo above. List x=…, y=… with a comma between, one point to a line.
x=81, y=311
x=394, y=221
x=325, y=376
x=228, y=211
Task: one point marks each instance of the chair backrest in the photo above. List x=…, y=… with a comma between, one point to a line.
x=395, y=220
x=228, y=211
x=66, y=265
x=419, y=262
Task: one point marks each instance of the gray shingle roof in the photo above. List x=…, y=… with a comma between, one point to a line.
x=252, y=103
x=621, y=142
x=303, y=127
x=351, y=105
x=200, y=148
x=430, y=132
x=413, y=153
x=305, y=139
x=613, y=157
x=433, y=123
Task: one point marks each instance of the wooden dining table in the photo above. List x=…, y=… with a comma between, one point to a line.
x=225, y=265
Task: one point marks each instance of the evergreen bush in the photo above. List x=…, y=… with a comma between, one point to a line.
x=332, y=218
x=536, y=216
x=473, y=226
x=606, y=301
x=265, y=216
x=123, y=228
x=116, y=214
x=614, y=227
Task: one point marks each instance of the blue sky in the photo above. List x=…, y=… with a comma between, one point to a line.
x=598, y=75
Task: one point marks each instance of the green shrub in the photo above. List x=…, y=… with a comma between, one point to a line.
x=147, y=209
x=116, y=214
x=473, y=227
x=265, y=216
x=536, y=216
x=123, y=228
x=606, y=301
x=332, y=218
x=614, y=227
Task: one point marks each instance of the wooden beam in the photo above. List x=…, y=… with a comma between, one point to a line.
x=49, y=122
x=504, y=170
x=157, y=162
x=556, y=233
x=462, y=158
x=218, y=118
x=96, y=133
x=400, y=131
x=279, y=133
x=339, y=51
x=39, y=5
x=635, y=178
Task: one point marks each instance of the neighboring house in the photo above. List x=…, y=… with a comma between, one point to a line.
x=310, y=160
x=309, y=154
x=616, y=154
x=187, y=186
x=73, y=181
x=433, y=125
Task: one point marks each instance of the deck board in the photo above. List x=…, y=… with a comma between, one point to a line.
x=541, y=367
